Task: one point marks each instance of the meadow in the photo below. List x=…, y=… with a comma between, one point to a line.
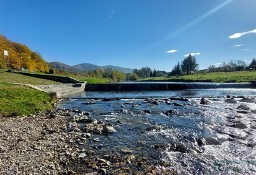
x=18, y=99
x=219, y=77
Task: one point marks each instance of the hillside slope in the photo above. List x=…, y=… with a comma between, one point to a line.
x=20, y=56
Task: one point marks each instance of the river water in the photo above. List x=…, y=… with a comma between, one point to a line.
x=175, y=129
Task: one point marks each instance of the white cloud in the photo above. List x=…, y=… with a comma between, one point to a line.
x=238, y=45
x=192, y=54
x=171, y=51
x=240, y=34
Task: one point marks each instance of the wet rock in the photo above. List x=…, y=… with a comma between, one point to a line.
x=179, y=147
x=82, y=155
x=84, y=119
x=230, y=100
x=96, y=139
x=108, y=163
x=243, y=107
x=168, y=102
x=238, y=124
x=180, y=99
x=204, y=101
x=126, y=150
x=118, y=122
x=248, y=100
x=146, y=111
x=107, y=99
x=155, y=102
x=177, y=104
x=201, y=142
x=76, y=110
x=169, y=112
x=103, y=171
x=161, y=146
x=88, y=135
x=242, y=112
x=253, y=111
x=108, y=129
x=211, y=141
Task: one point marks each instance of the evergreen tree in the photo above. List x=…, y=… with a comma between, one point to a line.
x=176, y=70
x=189, y=64
x=253, y=64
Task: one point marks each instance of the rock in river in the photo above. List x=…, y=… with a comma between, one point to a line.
x=108, y=129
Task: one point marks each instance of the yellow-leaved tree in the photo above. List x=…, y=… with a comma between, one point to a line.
x=20, y=56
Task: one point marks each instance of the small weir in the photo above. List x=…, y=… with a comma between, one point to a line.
x=164, y=86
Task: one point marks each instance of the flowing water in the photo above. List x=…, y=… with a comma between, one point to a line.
x=172, y=127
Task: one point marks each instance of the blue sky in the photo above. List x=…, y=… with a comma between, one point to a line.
x=133, y=33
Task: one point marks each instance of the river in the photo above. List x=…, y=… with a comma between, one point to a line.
x=178, y=129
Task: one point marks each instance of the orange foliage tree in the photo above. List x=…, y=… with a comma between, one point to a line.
x=20, y=56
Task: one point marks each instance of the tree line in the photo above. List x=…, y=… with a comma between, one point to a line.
x=233, y=65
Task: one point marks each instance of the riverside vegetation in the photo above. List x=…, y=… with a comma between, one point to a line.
x=17, y=99
x=218, y=77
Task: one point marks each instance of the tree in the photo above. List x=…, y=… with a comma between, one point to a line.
x=131, y=77
x=143, y=72
x=189, y=64
x=154, y=73
x=253, y=64
x=176, y=70
x=118, y=76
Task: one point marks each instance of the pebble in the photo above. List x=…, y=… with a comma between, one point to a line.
x=82, y=155
x=126, y=150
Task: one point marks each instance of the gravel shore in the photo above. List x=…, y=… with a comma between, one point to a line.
x=52, y=143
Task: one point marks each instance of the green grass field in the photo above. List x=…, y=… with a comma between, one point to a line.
x=21, y=100
x=91, y=80
x=241, y=76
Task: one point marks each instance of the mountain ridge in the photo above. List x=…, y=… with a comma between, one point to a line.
x=86, y=67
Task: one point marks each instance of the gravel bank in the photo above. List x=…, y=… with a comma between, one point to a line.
x=52, y=143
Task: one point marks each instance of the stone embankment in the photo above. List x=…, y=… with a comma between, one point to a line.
x=50, y=77
x=70, y=85
x=62, y=90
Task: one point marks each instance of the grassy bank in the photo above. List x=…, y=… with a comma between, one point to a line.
x=91, y=80
x=241, y=76
x=19, y=99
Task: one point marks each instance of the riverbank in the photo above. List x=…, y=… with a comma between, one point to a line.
x=217, y=77
x=23, y=94
x=51, y=143
x=18, y=99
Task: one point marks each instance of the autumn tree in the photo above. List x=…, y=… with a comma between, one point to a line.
x=20, y=56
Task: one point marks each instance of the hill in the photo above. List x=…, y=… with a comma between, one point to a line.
x=61, y=66
x=86, y=67
x=20, y=56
